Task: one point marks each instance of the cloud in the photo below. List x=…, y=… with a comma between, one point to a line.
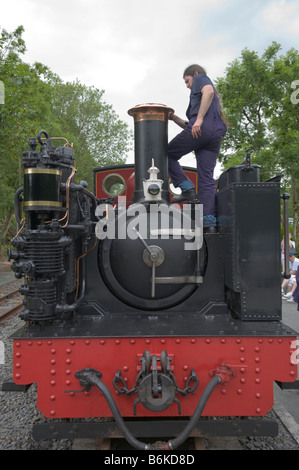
x=136, y=50
x=282, y=16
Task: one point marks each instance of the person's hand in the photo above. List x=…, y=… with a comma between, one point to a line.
x=196, y=128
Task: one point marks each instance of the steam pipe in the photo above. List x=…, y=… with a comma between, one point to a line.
x=151, y=141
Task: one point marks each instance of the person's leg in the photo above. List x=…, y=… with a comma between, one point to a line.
x=206, y=162
x=181, y=145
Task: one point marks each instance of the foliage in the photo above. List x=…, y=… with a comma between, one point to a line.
x=35, y=99
x=258, y=97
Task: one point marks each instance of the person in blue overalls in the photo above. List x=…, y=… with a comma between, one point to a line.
x=203, y=134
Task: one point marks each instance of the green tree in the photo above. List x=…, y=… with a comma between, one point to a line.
x=35, y=99
x=98, y=135
x=256, y=94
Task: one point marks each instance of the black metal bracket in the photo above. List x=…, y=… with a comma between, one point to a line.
x=156, y=386
x=12, y=387
x=289, y=385
x=83, y=376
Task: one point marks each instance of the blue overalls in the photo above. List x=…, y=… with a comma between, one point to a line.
x=206, y=147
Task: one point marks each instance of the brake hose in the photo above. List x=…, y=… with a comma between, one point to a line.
x=93, y=378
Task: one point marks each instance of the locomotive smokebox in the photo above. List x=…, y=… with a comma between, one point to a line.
x=151, y=141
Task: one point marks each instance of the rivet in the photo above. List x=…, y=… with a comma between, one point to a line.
x=18, y=354
x=18, y=344
x=270, y=341
x=39, y=343
x=71, y=394
x=18, y=365
x=223, y=391
x=49, y=343
x=68, y=351
x=258, y=395
x=52, y=383
x=260, y=341
x=257, y=381
x=257, y=359
x=208, y=341
x=52, y=412
x=117, y=341
x=258, y=370
x=18, y=376
x=238, y=341
x=53, y=362
x=68, y=372
x=53, y=351
x=292, y=373
x=242, y=370
x=53, y=371
x=133, y=341
x=102, y=341
x=72, y=342
x=242, y=381
x=52, y=398
x=148, y=341
x=87, y=342
x=68, y=361
x=280, y=340
x=125, y=368
x=239, y=391
x=67, y=382
x=193, y=341
x=163, y=341
x=242, y=359
x=29, y=343
x=257, y=349
x=178, y=341
x=258, y=410
x=223, y=341
x=242, y=349
x=185, y=367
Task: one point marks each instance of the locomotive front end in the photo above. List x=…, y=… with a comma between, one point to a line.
x=134, y=312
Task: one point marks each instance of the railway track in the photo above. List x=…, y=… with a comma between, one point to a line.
x=10, y=300
x=192, y=444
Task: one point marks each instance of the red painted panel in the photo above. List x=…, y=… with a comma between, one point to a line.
x=128, y=175
x=255, y=362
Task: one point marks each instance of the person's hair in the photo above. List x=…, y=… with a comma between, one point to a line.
x=190, y=71
x=194, y=68
x=222, y=114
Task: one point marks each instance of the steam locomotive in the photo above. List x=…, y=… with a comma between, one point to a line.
x=136, y=314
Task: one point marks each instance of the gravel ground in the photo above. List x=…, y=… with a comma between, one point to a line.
x=18, y=413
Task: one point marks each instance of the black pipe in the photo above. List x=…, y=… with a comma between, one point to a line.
x=17, y=205
x=151, y=142
x=174, y=443
x=92, y=377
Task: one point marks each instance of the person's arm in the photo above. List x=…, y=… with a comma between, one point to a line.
x=206, y=100
x=180, y=122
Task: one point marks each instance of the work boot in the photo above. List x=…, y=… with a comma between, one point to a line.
x=189, y=195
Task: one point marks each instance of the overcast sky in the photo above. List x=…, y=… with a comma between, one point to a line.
x=137, y=50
